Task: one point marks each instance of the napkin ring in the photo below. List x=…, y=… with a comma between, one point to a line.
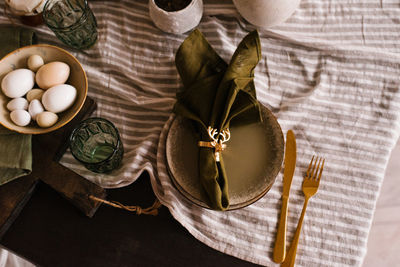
x=217, y=143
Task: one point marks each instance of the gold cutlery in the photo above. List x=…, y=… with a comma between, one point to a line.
x=310, y=188
x=290, y=165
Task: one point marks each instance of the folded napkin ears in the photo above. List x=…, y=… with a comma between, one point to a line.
x=215, y=96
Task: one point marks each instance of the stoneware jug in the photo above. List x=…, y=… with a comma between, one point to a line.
x=266, y=13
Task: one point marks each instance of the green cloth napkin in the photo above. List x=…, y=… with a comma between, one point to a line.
x=15, y=148
x=218, y=95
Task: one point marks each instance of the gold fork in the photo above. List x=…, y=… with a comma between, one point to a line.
x=310, y=188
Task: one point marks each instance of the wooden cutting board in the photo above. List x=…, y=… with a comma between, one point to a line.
x=47, y=150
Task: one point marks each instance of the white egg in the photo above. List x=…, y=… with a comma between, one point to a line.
x=35, y=93
x=35, y=62
x=17, y=103
x=46, y=119
x=20, y=117
x=18, y=82
x=59, y=98
x=35, y=107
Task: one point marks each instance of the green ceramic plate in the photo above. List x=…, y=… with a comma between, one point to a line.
x=253, y=158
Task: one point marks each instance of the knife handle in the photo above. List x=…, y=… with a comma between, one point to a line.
x=280, y=243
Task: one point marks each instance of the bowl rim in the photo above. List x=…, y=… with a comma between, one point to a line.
x=47, y=130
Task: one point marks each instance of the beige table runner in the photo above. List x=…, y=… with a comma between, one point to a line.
x=330, y=73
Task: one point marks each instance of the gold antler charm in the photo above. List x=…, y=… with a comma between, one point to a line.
x=218, y=141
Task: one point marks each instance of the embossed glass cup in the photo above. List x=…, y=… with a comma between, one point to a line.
x=96, y=143
x=72, y=21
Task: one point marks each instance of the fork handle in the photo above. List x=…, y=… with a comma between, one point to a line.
x=280, y=243
x=291, y=255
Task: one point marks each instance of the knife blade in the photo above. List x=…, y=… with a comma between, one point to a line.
x=289, y=167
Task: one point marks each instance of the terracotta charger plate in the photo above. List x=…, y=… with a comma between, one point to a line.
x=252, y=158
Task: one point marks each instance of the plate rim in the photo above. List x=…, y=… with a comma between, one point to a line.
x=201, y=203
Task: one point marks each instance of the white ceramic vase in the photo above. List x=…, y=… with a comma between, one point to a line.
x=179, y=21
x=266, y=13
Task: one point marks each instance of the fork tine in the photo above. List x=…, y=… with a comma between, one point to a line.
x=320, y=172
x=315, y=171
x=308, y=176
x=316, y=168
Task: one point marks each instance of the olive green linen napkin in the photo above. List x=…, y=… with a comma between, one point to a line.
x=15, y=148
x=218, y=95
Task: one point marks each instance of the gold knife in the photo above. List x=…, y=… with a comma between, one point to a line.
x=290, y=165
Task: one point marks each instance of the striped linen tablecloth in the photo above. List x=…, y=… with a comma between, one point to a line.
x=330, y=73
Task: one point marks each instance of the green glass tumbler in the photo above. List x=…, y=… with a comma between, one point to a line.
x=72, y=21
x=96, y=143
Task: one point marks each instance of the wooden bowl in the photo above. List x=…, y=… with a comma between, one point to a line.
x=77, y=78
